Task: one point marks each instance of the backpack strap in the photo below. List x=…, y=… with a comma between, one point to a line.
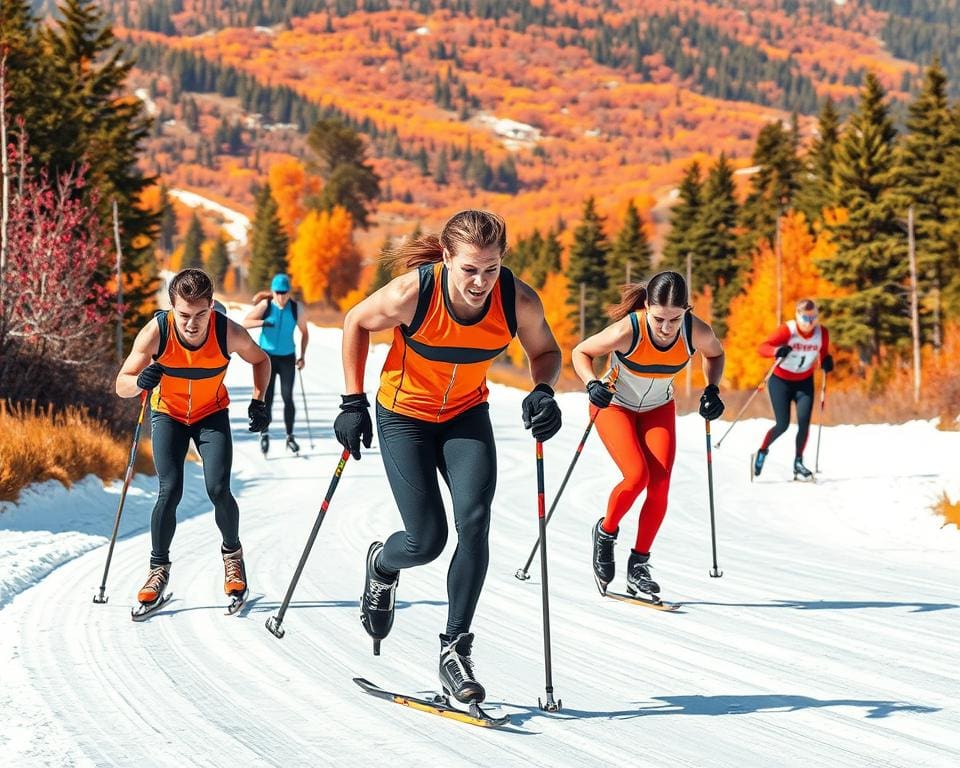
x=163, y=324
x=220, y=327
x=688, y=332
x=427, y=285
x=293, y=308
x=508, y=298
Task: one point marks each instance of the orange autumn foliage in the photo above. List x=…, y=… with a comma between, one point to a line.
x=753, y=313
x=556, y=312
x=324, y=263
x=290, y=186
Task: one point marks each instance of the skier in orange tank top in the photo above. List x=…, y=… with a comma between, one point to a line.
x=451, y=316
x=190, y=346
x=652, y=339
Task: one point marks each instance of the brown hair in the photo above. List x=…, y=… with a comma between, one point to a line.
x=191, y=285
x=664, y=289
x=805, y=305
x=480, y=229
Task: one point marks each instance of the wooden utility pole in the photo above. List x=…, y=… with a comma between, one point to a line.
x=914, y=305
x=777, y=249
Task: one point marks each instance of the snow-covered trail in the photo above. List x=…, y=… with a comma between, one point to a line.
x=830, y=640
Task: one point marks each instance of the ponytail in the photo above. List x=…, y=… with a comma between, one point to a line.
x=664, y=289
x=425, y=249
x=480, y=229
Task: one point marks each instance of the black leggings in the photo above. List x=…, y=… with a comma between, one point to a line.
x=171, y=439
x=782, y=393
x=463, y=451
x=286, y=367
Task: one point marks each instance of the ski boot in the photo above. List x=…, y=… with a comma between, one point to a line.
x=234, y=579
x=292, y=445
x=456, y=669
x=377, y=601
x=264, y=442
x=638, y=575
x=152, y=594
x=800, y=471
x=604, y=564
x=758, y=458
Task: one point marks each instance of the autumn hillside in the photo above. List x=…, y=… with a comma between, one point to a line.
x=524, y=107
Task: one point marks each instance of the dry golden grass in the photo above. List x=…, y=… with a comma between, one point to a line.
x=948, y=510
x=38, y=445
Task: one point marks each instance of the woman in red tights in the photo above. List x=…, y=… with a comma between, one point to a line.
x=652, y=338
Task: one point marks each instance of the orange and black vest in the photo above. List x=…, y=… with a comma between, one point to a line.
x=437, y=365
x=191, y=387
x=644, y=375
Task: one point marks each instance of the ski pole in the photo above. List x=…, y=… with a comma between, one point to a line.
x=101, y=598
x=274, y=623
x=746, y=405
x=523, y=573
x=550, y=705
x=610, y=379
x=823, y=397
x=306, y=413
x=715, y=572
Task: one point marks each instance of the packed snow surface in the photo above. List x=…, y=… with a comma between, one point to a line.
x=831, y=638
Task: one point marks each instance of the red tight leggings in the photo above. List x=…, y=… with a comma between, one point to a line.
x=643, y=445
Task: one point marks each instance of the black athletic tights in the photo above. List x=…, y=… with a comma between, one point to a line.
x=782, y=393
x=463, y=451
x=171, y=439
x=284, y=366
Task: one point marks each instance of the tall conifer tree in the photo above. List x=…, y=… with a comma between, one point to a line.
x=816, y=190
x=269, y=242
x=927, y=184
x=588, y=265
x=630, y=246
x=871, y=253
x=192, y=256
x=773, y=186
x=218, y=262
x=715, y=261
x=683, y=218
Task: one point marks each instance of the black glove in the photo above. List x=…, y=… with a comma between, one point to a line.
x=267, y=324
x=827, y=363
x=353, y=424
x=541, y=414
x=258, y=415
x=711, y=406
x=599, y=393
x=782, y=351
x=150, y=376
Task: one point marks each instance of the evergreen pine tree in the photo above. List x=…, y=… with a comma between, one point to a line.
x=218, y=262
x=192, y=256
x=927, y=185
x=773, y=186
x=715, y=261
x=683, y=218
x=951, y=291
x=588, y=265
x=348, y=180
x=871, y=260
x=87, y=73
x=269, y=242
x=816, y=190
x=630, y=247
x=548, y=260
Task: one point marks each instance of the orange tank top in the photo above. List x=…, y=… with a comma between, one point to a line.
x=191, y=387
x=437, y=366
x=645, y=373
